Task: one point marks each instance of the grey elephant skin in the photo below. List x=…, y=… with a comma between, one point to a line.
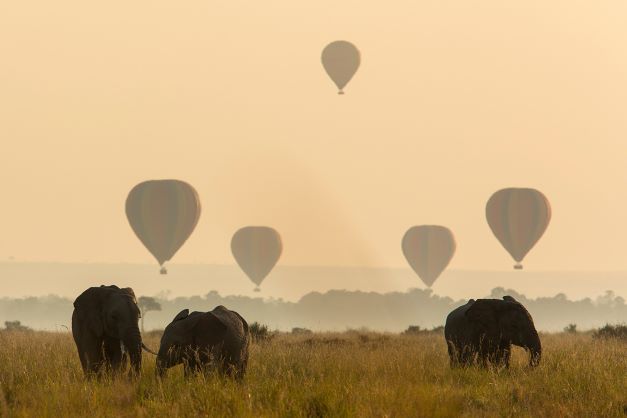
x=105, y=330
x=484, y=330
x=202, y=341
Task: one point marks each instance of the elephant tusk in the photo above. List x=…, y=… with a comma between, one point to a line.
x=148, y=349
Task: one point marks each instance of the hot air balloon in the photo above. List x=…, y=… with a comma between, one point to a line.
x=163, y=214
x=341, y=60
x=256, y=249
x=428, y=250
x=518, y=218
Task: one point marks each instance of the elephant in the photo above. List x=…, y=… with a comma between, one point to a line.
x=485, y=329
x=105, y=330
x=218, y=340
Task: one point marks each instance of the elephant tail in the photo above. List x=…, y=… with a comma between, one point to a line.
x=148, y=349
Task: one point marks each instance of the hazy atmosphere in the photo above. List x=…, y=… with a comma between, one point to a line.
x=313, y=209
x=450, y=105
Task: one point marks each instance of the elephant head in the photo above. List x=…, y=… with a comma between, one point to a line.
x=188, y=332
x=507, y=320
x=113, y=312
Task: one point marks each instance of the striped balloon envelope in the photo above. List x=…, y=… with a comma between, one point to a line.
x=256, y=250
x=428, y=250
x=518, y=218
x=163, y=214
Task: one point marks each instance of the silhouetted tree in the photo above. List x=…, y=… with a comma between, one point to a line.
x=147, y=304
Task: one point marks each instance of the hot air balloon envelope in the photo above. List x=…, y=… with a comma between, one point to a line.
x=341, y=60
x=518, y=217
x=163, y=214
x=256, y=250
x=428, y=250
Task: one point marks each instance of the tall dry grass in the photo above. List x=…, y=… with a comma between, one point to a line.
x=348, y=374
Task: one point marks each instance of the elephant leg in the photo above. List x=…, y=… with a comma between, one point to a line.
x=500, y=354
x=505, y=357
x=83, y=357
x=91, y=355
x=485, y=355
x=453, y=354
x=206, y=361
x=242, y=366
x=113, y=354
x=229, y=367
x=497, y=355
x=222, y=361
x=88, y=345
x=190, y=364
x=466, y=354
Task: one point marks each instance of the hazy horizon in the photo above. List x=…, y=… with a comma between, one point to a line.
x=292, y=282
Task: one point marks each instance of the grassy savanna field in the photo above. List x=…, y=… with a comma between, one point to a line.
x=331, y=374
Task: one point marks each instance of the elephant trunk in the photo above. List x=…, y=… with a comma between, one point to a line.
x=535, y=349
x=162, y=362
x=169, y=356
x=133, y=342
x=160, y=369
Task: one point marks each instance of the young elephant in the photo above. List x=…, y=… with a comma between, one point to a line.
x=200, y=340
x=486, y=329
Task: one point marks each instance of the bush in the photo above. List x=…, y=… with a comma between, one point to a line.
x=571, y=329
x=611, y=331
x=416, y=330
x=413, y=330
x=301, y=331
x=259, y=332
x=15, y=326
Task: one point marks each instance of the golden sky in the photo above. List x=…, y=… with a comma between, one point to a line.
x=453, y=101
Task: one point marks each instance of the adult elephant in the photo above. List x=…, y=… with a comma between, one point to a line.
x=105, y=330
x=485, y=329
x=201, y=340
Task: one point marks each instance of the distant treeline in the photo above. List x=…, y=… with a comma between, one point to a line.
x=336, y=310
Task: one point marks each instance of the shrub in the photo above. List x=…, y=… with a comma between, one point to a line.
x=301, y=331
x=412, y=330
x=438, y=330
x=416, y=330
x=259, y=332
x=15, y=326
x=611, y=331
x=571, y=329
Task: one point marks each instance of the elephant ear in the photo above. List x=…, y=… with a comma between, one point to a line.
x=484, y=313
x=89, y=304
x=129, y=291
x=508, y=298
x=181, y=315
x=209, y=329
x=200, y=328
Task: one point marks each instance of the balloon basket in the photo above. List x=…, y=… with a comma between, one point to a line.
x=518, y=267
x=340, y=92
x=256, y=289
x=163, y=270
